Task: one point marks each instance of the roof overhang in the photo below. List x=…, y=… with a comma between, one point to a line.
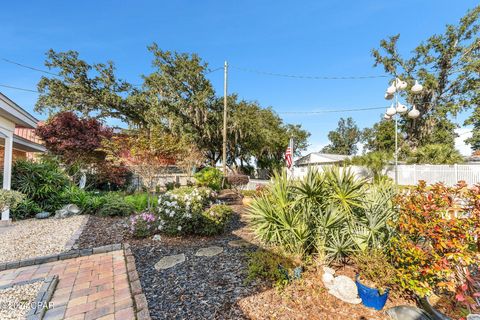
x=23, y=144
x=13, y=112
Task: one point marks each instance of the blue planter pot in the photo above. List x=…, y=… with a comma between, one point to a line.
x=371, y=297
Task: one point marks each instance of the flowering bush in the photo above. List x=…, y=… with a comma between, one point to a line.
x=143, y=224
x=180, y=210
x=215, y=218
x=437, y=234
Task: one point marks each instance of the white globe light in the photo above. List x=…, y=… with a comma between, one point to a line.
x=391, y=89
x=414, y=113
x=388, y=96
x=391, y=111
x=417, y=87
x=401, y=109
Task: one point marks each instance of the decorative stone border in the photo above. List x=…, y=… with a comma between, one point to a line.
x=70, y=244
x=74, y=253
x=140, y=301
x=44, y=295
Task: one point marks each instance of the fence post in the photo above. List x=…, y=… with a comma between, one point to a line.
x=455, y=167
x=414, y=174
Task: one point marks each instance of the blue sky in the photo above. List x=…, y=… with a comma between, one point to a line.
x=319, y=38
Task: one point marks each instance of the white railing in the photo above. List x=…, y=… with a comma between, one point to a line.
x=448, y=174
x=411, y=174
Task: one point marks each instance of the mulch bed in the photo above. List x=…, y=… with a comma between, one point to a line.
x=102, y=231
x=215, y=287
x=201, y=287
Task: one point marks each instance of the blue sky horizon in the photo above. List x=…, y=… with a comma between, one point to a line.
x=313, y=38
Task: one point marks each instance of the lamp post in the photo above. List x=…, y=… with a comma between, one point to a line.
x=398, y=109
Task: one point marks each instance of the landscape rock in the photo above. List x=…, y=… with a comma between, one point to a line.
x=239, y=243
x=407, y=313
x=209, y=251
x=169, y=261
x=43, y=215
x=67, y=211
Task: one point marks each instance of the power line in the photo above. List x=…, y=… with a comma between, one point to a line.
x=17, y=88
x=310, y=77
x=31, y=68
x=332, y=110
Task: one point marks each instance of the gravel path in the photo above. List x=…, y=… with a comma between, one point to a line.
x=16, y=302
x=200, y=287
x=34, y=237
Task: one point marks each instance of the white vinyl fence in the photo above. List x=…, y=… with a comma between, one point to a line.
x=448, y=174
x=411, y=174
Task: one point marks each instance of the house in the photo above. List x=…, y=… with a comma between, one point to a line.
x=15, y=122
x=316, y=160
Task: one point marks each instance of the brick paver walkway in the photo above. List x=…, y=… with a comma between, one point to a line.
x=90, y=287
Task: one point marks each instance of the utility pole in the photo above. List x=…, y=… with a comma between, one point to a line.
x=224, y=158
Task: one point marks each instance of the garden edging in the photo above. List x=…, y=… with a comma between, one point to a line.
x=139, y=299
x=74, y=253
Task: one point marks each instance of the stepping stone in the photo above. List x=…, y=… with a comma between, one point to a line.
x=209, y=251
x=169, y=261
x=239, y=243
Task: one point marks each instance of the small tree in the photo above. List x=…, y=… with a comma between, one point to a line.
x=148, y=153
x=77, y=142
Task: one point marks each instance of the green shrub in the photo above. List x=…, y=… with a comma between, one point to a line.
x=140, y=201
x=42, y=182
x=10, y=199
x=271, y=266
x=172, y=185
x=180, y=210
x=209, y=177
x=89, y=202
x=115, y=205
x=214, y=219
x=25, y=210
x=332, y=213
x=374, y=269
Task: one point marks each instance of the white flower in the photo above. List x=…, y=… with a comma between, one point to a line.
x=179, y=228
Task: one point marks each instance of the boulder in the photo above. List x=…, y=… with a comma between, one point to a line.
x=407, y=313
x=67, y=211
x=42, y=215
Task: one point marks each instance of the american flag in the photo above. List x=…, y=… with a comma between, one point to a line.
x=288, y=154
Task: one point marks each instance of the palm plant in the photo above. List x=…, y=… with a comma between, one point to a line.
x=275, y=220
x=332, y=213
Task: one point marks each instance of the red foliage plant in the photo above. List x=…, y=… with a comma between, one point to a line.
x=80, y=141
x=436, y=241
x=73, y=138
